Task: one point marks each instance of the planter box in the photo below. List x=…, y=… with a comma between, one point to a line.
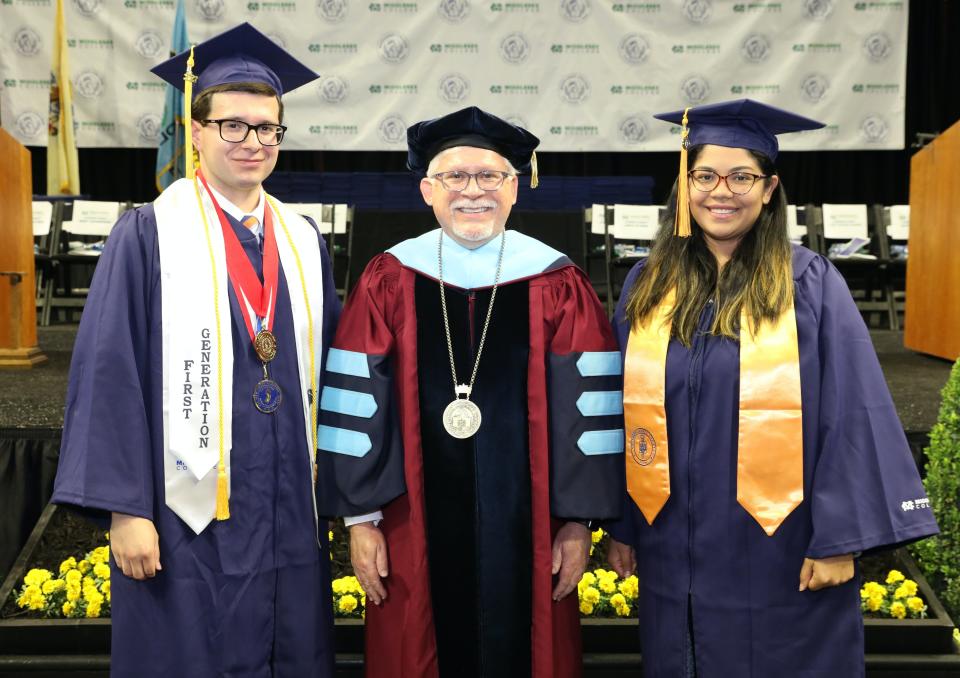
x=81, y=647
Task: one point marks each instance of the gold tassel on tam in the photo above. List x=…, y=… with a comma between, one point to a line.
x=534, y=175
x=188, y=79
x=681, y=225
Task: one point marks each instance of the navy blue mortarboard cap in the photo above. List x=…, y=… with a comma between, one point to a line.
x=240, y=54
x=469, y=127
x=743, y=123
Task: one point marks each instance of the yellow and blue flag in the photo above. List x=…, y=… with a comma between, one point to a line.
x=170, y=159
x=63, y=174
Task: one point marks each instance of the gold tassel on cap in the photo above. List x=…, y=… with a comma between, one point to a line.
x=188, y=79
x=681, y=225
x=534, y=176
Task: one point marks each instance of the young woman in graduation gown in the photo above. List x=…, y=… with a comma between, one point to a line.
x=763, y=449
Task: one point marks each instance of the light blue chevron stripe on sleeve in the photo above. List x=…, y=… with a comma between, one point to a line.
x=343, y=401
x=601, y=442
x=348, y=362
x=598, y=403
x=343, y=441
x=599, y=364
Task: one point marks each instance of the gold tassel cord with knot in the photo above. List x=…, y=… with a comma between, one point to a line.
x=188, y=79
x=681, y=225
x=534, y=175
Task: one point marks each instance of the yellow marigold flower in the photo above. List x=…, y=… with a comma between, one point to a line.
x=874, y=603
x=586, y=608
x=898, y=610
x=68, y=564
x=73, y=577
x=600, y=572
x=93, y=609
x=895, y=576
x=630, y=587
x=83, y=566
x=623, y=610
x=339, y=586
x=588, y=578
x=607, y=585
x=591, y=595
x=354, y=585
x=101, y=570
x=915, y=604
x=25, y=596
x=37, y=600
x=330, y=535
x=101, y=554
x=68, y=609
x=73, y=593
x=52, y=586
x=596, y=536
x=347, y=603
x=910, y=587
x=37, y=576
x=105, y=589
x=617, y=600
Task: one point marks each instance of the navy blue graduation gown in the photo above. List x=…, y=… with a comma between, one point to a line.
x=705, y=555
x=249, y=596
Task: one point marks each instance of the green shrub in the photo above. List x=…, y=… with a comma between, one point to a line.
x=940, y=556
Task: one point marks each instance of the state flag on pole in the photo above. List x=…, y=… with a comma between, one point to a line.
x=63, y=175
x=170, y=165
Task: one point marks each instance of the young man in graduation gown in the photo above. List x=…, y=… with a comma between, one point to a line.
x=470, y=401
x=190, y=417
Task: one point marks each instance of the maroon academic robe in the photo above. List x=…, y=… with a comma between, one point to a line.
x=470, y=524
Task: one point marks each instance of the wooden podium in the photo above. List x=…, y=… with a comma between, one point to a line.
x=933, y=265
x=18, y=309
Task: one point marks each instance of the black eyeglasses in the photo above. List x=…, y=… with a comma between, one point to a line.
x=739, y=183
x=456, y=181
x=236, y=131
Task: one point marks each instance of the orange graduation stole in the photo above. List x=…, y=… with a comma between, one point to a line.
x=770, y=439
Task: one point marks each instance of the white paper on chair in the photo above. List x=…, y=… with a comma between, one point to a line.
x=314, y=210
x=92, y=217
x=899, y=228
x=598, y=219
x=42, y=216
x=794, y=230
x=340, y=218
x=635, y=222
x=843, y=222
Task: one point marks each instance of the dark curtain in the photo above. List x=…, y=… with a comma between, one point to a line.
x=932, y=105
x=28, y=464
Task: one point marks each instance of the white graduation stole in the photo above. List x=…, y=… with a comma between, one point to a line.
x=195, y=367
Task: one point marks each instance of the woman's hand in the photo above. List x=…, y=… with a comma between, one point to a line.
x=816, y=574
x=622, y=558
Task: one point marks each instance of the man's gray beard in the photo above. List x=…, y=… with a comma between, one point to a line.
x=474, y=235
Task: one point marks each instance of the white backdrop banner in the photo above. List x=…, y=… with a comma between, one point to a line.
x=583, y=75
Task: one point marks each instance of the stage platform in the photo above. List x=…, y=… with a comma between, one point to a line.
x=35, y=398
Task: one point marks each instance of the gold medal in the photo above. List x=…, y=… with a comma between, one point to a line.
x=265, y=344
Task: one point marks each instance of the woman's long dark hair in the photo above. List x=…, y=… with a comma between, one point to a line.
x=757, y=278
